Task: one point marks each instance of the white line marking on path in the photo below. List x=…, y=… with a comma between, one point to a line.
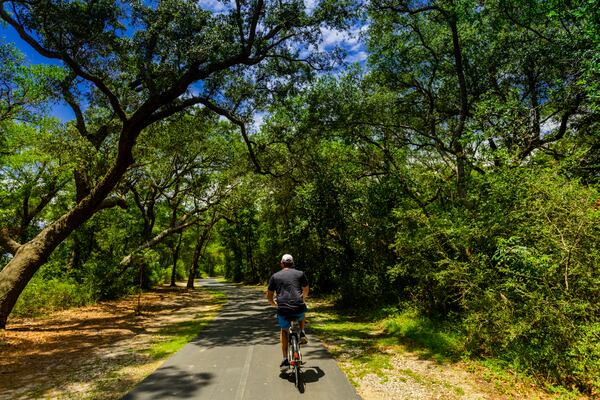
x=244, y=378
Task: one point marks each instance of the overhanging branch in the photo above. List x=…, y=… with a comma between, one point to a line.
x=156, y=240
x=7, y=242
x=76, y=68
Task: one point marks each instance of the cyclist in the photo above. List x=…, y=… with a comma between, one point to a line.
x=291, y=287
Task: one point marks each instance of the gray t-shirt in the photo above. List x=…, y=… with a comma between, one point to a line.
x=288, y=284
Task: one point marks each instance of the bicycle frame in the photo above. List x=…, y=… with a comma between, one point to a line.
x=294, y=353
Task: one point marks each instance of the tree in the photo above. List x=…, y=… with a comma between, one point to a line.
x=29, y=167
x=472, y=80
x=142, y=63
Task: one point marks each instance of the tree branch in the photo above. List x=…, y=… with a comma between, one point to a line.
x=7, y=242
x=112, y=202
x=76, y=68
x=403, y=8
x=156, y=240
x=242, y=125
x=253, y=25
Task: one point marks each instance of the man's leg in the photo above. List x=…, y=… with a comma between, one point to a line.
x=303, y=338
x=284, y=343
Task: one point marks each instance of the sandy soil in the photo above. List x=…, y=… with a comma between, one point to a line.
x=91, y=352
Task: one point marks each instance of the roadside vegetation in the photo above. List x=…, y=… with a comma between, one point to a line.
x=394, y=354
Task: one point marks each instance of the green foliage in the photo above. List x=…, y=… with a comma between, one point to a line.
x=25, y=89
x=43, y=296
x=519, y=268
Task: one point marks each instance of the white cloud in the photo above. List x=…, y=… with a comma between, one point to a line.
x=259, y=120
x=359, y=56
x=349, y=40
x=215, y=6
x=310, y=5
x=333, y=38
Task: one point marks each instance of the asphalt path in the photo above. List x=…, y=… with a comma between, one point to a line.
x=237, y=356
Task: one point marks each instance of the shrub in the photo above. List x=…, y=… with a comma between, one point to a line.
x=44, y=296
x=519, y=267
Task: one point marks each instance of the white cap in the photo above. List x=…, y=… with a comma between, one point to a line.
x=287, y=259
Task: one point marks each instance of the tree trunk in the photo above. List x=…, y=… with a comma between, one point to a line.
x=194, y=266
x=250, y=263
x=238, y=261
x=462, y=172
x=175, y=259
x=30, y=256
x=83, y=245
x=202, y=239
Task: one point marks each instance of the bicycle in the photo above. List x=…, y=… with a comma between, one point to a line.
x=294, y=353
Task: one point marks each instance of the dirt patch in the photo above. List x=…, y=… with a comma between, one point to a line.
x=99, y=351
x=413, y=377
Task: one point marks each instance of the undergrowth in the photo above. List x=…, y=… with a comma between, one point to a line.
x=42, y=297
x=369, y=340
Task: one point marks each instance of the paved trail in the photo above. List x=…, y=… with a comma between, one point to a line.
x=237, y=357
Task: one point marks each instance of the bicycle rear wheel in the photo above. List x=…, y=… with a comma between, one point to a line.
x=298, y=377
x=296, y=360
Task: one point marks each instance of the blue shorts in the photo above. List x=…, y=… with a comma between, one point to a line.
x=284, y=323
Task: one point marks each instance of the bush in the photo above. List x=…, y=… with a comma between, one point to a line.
x=520, y=268
x=43, y=296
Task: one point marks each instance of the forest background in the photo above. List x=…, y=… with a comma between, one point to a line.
x=452, y=171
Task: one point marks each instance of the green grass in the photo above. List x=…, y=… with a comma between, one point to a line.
x=173, y=337
x=372, y=332
x=367, y=341
x=217, y=296
x=374, y=363
x=422, y=334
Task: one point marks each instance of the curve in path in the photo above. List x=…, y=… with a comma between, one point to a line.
x=236, y=357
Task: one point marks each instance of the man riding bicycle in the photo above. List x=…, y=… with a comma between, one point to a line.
x=291, y=287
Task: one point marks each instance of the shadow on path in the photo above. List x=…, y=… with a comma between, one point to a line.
x=309, y=375
x=172, y=381
x=244, y=320
x=236, y=356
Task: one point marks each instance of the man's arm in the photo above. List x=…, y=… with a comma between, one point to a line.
x=270, y=294
x=305, y=292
